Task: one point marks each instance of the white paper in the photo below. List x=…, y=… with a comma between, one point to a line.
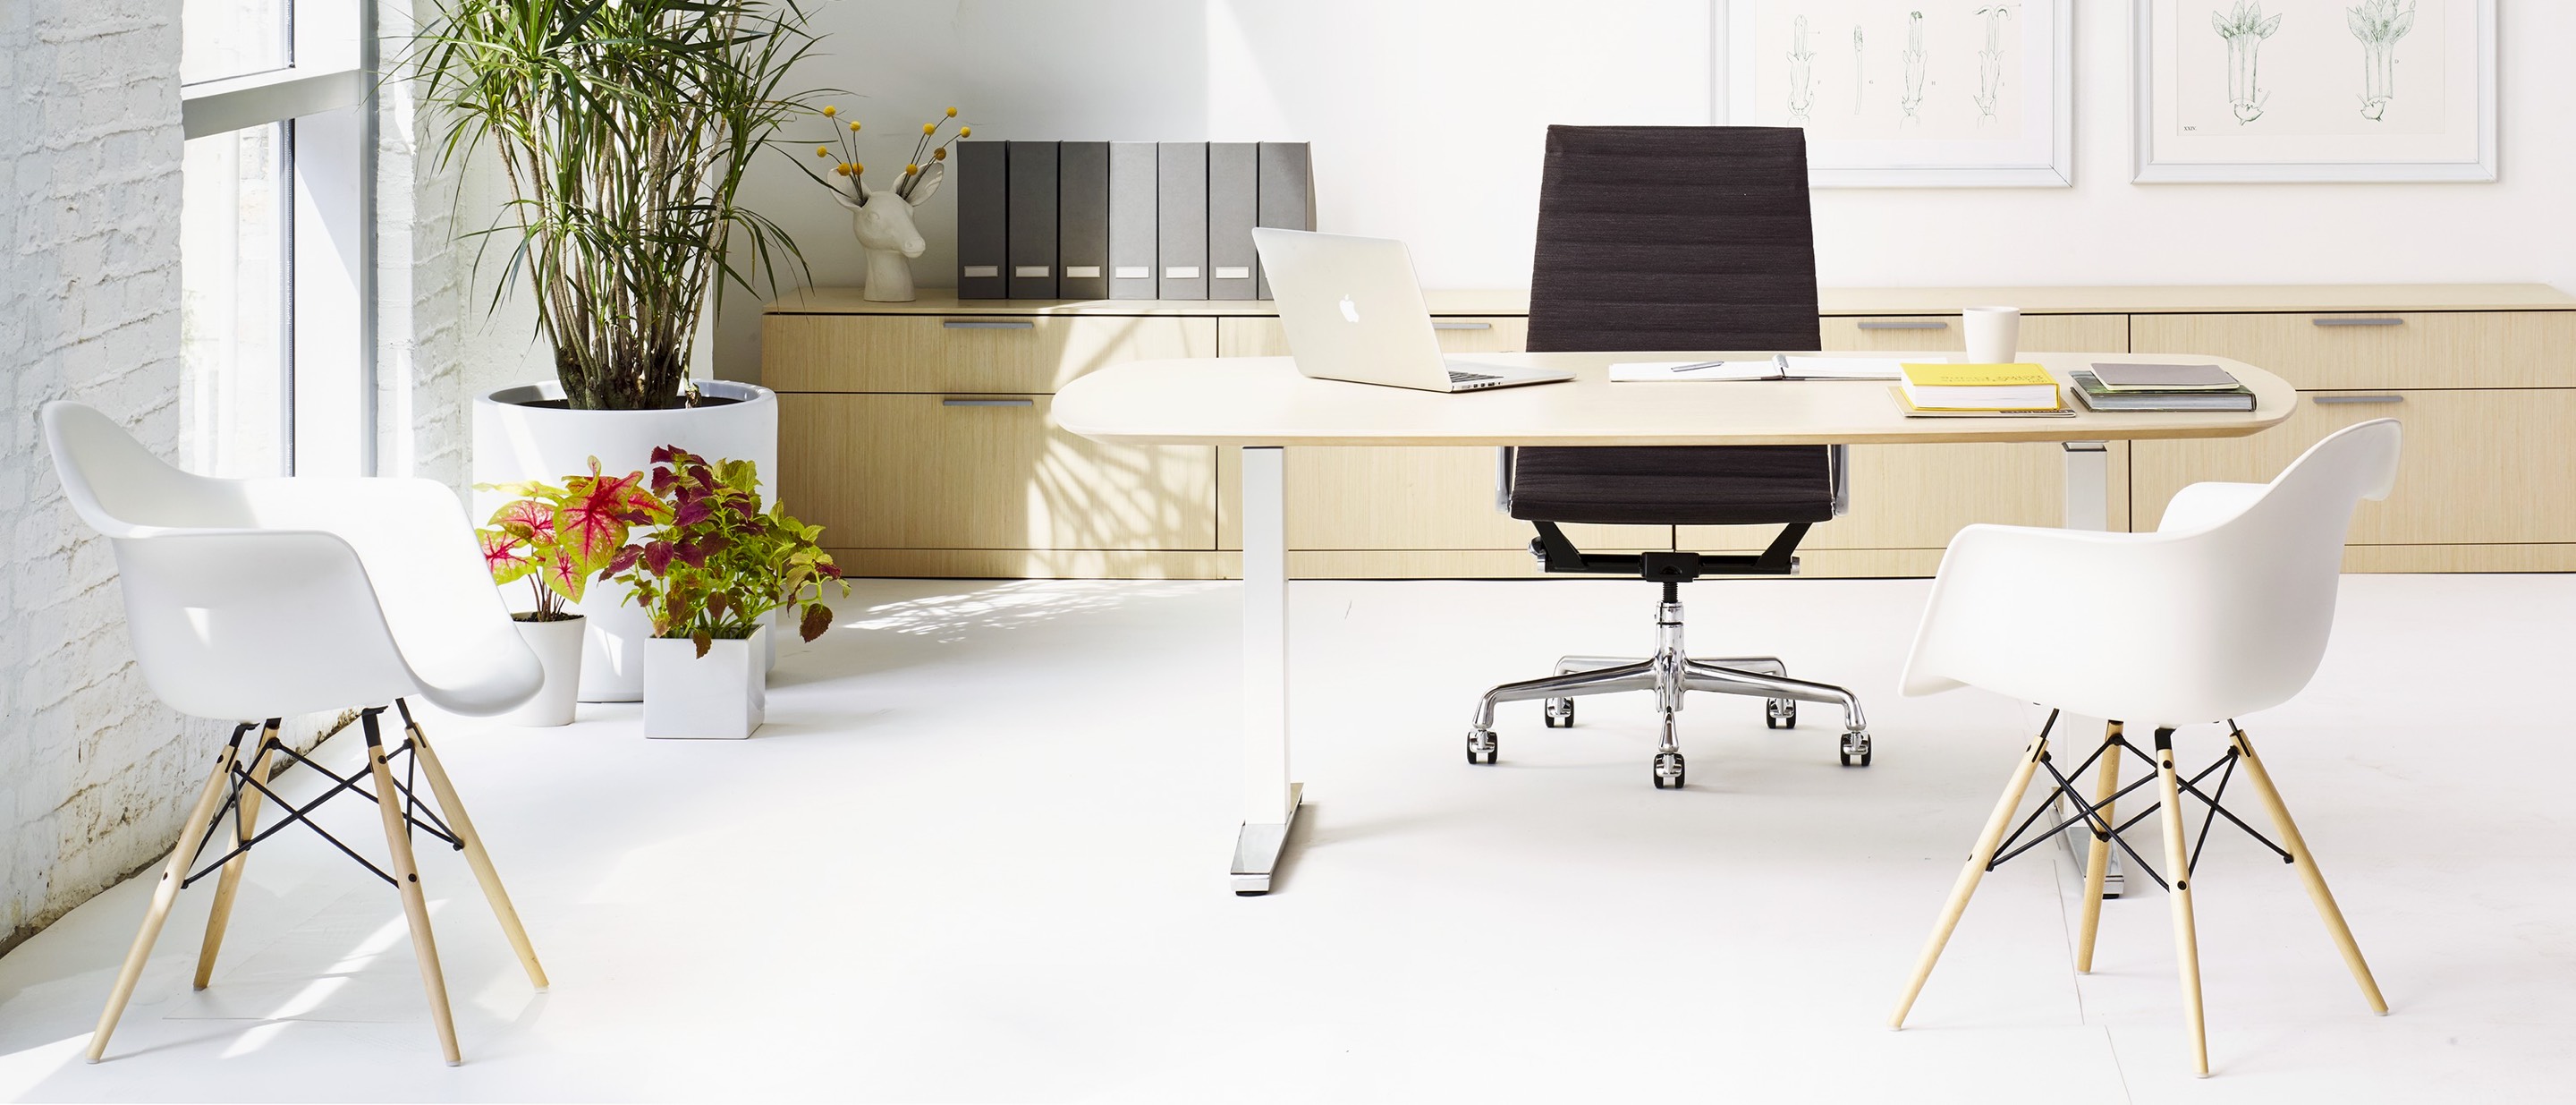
x=1845, y=368
x=1634, y=371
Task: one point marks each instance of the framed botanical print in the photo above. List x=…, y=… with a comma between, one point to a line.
x=1905, y=93
x=2315, y=90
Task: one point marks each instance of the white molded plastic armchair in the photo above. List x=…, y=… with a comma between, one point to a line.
x=2223, y=610
x=252, y=599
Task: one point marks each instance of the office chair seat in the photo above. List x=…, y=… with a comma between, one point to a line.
x=1661, y=486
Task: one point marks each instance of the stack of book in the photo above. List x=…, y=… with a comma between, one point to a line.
x=1938, y=390
x=2161, y=387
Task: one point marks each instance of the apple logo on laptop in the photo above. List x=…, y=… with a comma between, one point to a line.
x=1350, y=310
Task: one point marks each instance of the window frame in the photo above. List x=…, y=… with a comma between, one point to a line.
x=326, y=100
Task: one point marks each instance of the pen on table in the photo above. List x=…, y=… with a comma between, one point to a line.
x=1696, y=365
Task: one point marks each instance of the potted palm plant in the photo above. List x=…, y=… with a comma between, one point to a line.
x=557, y=538
x=711, y=570
x=624, y=130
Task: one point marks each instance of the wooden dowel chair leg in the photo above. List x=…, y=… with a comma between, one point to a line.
x=475, y=856
x=2308, y=873
x=407, y=880
x=172, y=874
x=2097, y=857
x=245, y=824
x=2178, y=865
x=1984, y=854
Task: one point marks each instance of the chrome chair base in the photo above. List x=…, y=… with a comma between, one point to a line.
x=1670, y=673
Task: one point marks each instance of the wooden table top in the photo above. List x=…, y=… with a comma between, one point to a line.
x=1265, y=401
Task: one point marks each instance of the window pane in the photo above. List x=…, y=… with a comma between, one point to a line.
x=232, y=304
x=229, y=38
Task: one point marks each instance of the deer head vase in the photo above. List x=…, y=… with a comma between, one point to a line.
x=883, y=225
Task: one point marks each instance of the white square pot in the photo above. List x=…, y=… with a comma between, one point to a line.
x=723, y=695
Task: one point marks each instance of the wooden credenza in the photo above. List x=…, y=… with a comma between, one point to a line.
x=917, y=434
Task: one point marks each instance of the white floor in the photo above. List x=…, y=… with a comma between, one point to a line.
x=978, y=855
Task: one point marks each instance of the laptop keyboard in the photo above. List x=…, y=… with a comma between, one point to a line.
x=1457, y=377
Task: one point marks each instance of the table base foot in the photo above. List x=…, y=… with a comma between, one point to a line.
x=1257, y=847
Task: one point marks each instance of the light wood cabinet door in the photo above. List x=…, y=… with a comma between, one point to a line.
x=1401, y=497
x=2478, y=467
x=2462, y=349
x=984, y=471
x=1007, y=354
x=1918, y=496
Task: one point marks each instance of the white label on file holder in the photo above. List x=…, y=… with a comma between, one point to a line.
x=981, y=270
x=1133, y=272
x=1181, y=272
x=1029, y=270
x=1082, y=272
x=1233, y=272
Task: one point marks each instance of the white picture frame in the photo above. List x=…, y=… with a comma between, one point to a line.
x=2311, y=133
x=1952, y=97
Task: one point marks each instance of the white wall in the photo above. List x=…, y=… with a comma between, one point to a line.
x=1427, y=117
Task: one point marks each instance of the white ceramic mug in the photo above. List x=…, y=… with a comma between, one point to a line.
x=1994, y=334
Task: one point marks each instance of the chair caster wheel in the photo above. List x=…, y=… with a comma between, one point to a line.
x=1560, y=713
x=1855, y=745
x=1668, y=771
x=1780, y=713
x=1483, y=747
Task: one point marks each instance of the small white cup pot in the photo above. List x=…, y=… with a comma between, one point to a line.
x=1994, y=334
x=558, y=648
x=723, y=695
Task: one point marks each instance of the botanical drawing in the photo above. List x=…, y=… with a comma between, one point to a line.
x=1860, y=77
x=1913, y=95
x=2244, y=29
x=1802, y=73
x=1990, y=61
x=2379, y=24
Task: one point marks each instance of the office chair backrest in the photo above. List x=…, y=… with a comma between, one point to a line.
x=1674, y=238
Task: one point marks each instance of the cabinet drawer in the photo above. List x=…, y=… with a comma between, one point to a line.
x=2478, y=467
x=2466, y=349
x=1941, y=333
x=1918, y=496
x=1012, y=354
x=984, y=471
x=1264, y=337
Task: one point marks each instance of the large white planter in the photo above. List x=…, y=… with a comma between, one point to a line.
x=514, y=441
x=558, y=648
x=723, y=695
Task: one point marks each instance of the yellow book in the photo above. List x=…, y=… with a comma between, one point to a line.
x=1980, y=387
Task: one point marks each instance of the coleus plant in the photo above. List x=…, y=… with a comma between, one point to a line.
x=559, y=537
x=716, y=564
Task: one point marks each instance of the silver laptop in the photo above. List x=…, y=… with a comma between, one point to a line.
x=1354, y=311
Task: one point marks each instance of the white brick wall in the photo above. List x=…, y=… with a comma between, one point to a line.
x=93, y=771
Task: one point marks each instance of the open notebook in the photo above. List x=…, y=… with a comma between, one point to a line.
x=1781, y=367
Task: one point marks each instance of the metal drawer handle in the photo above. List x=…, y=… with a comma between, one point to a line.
x=988, y=324
x=2334, y=399
x=2358, y=321
x=988, y=402
x=1905, y=326
x=1462, y=326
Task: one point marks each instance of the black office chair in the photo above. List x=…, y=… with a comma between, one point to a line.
x=1673, y=238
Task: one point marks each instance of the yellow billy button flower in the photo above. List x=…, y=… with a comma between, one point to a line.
x=822, y=151
x=952, y=113
x=908, y=170
x=856, y=168
x=965, y=132
x=830, y=110
x=842, y=169
x=940, y=154
x=929, y=127
x=854, y=126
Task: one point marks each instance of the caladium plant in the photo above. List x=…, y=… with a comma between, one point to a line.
x=558, y=537
x=715, y=563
